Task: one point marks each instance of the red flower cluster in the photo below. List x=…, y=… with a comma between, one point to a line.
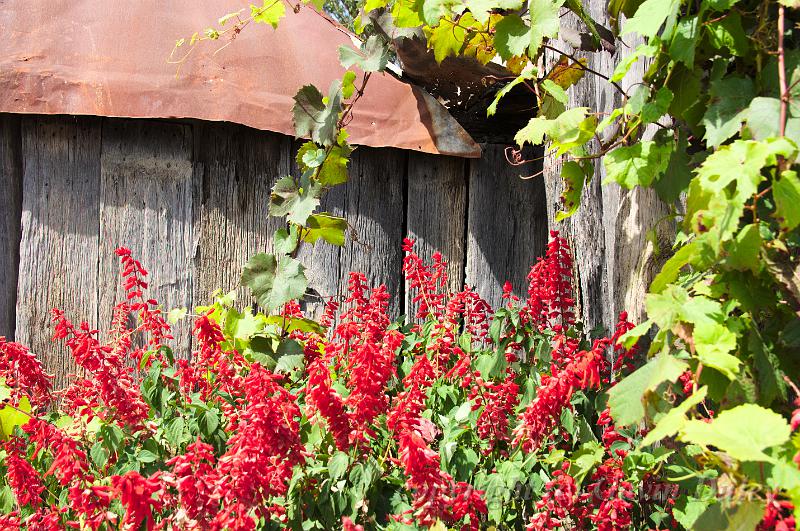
x=362, y=352
x=550, y=295
x=23, y=373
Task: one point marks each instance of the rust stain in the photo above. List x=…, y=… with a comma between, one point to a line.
x=89, y=58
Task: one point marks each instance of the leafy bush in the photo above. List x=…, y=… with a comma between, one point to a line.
x=464, y=416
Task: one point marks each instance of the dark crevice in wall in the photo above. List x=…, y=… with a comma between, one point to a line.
x=465, y=236
x=402, y=302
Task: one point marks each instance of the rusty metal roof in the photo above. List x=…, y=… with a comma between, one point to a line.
x=93, y=57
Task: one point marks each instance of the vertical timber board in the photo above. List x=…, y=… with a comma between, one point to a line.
x=373, y=204
x=589, y=231
x=146, y=205
x=507, y=226
x=236, y=168
x=10, y=219
x=437, y=212
x=60, y=230
x=322, y=261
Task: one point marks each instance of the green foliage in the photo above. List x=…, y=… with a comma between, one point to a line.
x=723, y=309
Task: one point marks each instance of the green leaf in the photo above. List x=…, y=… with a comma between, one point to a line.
x=743, y=250
x=372, y=57
x=99, y=455
x=786, y=192
x=545, y=22
x=348, y=84
x=285, y=242
x=208, y=422
x=334, y=169
x=326, y=226
x=554, y=90
x=274, y=281
x=270, y=12
x=10, y=417
x=584, y=460
x=296, y=203
x=289, y=363
x=314, y=117
x=672, y=267
x=480, y=9
x=621, y=70
x=176, y=314
x=146, y=456
x=720, y=5
x=728, y=33
x=637, y=165
x=742, y=517
x=526, y=75
x=512, y=37
x=675, y=179
x=763, y=117
x=684, y=40
x=743, y=432
x=674, y=419
x=433, y=10
x=570, y=129
x=446, y=39
x=655, y=109
x=730, y=98
x=650, y=16
x=337, y=465
x=574, y=178
x=175, y=431
x=626, y=398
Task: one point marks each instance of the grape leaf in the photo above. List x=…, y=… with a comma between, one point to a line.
x=764, y=429
x=512, y=36
x=545, y=22
x=626, y=398
x=674, y=419
x=11, y=417
x=372, y=57
x=480, y=9
x=730, y=98
x=574, y=178
x=650, y=16
x=274, y=281
x=270, y=12
x=446, y=39
x=334, y=169
x=637, y=165
x=293, y=202
x=786, y=192
x=314, y=117
x=283, y=241
x=530, y=73
x=326, y=226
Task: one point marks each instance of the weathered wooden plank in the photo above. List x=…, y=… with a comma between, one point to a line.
x=507, y=226
x=60, y=229
x=437, y=211
x=590, y=231
x=10, y=219
x=237, y=167
x=373, y=203
x=146, y=205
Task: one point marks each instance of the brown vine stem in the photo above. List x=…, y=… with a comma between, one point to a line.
x=782, y=72
x=586, y=68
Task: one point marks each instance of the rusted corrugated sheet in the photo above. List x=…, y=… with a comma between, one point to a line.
x=95, y=57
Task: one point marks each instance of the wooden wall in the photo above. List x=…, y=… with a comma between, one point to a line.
x=190, y=199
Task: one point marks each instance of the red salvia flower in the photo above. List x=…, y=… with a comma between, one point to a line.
x=24, y=480
x=140, y=496
x=24, y=374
